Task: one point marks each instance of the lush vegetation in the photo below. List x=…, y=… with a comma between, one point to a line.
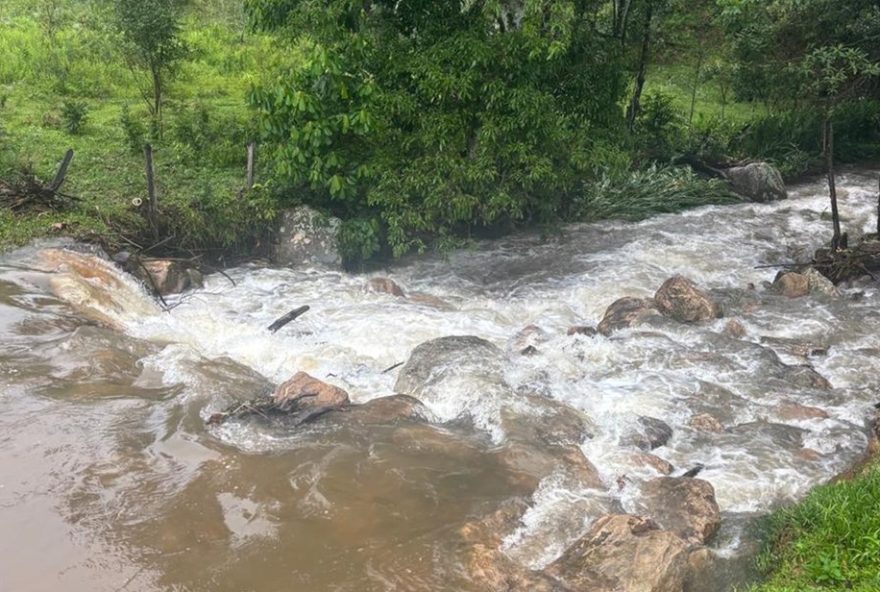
x=419, y=123
x=829, y=541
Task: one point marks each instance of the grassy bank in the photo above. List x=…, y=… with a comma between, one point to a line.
x=829, y=541
x=200, y=155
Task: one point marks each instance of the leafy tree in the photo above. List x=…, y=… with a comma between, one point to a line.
x=830, y=76
x=824, y=52
x=151, y=29
x=436, y=118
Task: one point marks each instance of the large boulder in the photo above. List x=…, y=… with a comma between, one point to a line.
x=680, y=299
x=433, y=362
x=307, y=392
x=624, y=553
x=759, y=182
x=307, y=238
x=625, y=313
x=791, y=284
x=684, y=506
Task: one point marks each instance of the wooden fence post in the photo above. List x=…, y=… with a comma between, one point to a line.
x=152, y=203
x=62, y=171
x=251, y=163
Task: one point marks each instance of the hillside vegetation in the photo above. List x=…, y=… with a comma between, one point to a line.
x=420, y=124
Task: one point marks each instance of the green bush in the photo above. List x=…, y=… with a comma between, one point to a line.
x=133, y=129
x=74, y=115
x=660, y=126
x=359, y=240
x=200, y=132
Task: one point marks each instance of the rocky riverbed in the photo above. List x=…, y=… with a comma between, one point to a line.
x=606, y=410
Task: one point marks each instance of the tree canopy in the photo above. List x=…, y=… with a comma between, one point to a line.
x=428, y=117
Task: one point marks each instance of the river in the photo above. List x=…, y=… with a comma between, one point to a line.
x=110, y=478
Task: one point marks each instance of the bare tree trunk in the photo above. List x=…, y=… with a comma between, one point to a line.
x=878, y=210
x=832, y=190
x=157, y=99
x=696, y=85
x=635, y=105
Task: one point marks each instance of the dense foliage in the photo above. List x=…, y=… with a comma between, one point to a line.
x=434, y=117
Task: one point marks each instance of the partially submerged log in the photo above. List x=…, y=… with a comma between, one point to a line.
x=288, y=318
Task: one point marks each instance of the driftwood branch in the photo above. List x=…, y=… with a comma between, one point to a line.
x=291, y=316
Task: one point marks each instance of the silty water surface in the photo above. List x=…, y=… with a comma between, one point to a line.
x=109, y=478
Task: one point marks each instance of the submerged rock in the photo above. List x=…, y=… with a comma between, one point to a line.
x=791, y=411
x=703, y=422
x=582, y=330
x=490, y=567
x=383, y=285
x=684, y=506
x=527, y=340
x=529, y=464
x=96, y=288
x=680, y=299
x=305, y=237
x=625, y=313
x=734, y=329
x=389, y=410
x=806, y=377
x=660, y=465
x=624, y=553
x=648, y=433
x=167, y=277
x=795, y=347
x=759, y=182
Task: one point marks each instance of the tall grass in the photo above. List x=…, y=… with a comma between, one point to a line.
x=655, y=190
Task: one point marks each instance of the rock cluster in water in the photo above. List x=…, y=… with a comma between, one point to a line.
x=658, y=548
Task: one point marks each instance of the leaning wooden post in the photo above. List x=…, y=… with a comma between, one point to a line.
x=62, y=171
x=251, y=162
x=152, y=203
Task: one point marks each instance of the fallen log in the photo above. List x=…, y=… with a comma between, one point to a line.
x=289, y=317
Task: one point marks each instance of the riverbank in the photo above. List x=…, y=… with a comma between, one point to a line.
x=828, y=541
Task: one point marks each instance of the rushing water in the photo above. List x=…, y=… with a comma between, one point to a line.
x=111, y=480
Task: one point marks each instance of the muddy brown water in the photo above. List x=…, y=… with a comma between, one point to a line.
x=111, y=480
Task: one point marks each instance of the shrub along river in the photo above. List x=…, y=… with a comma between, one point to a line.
x=111, y=477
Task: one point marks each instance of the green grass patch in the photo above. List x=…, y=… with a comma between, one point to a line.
x=69, y=86
x=829, y=541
